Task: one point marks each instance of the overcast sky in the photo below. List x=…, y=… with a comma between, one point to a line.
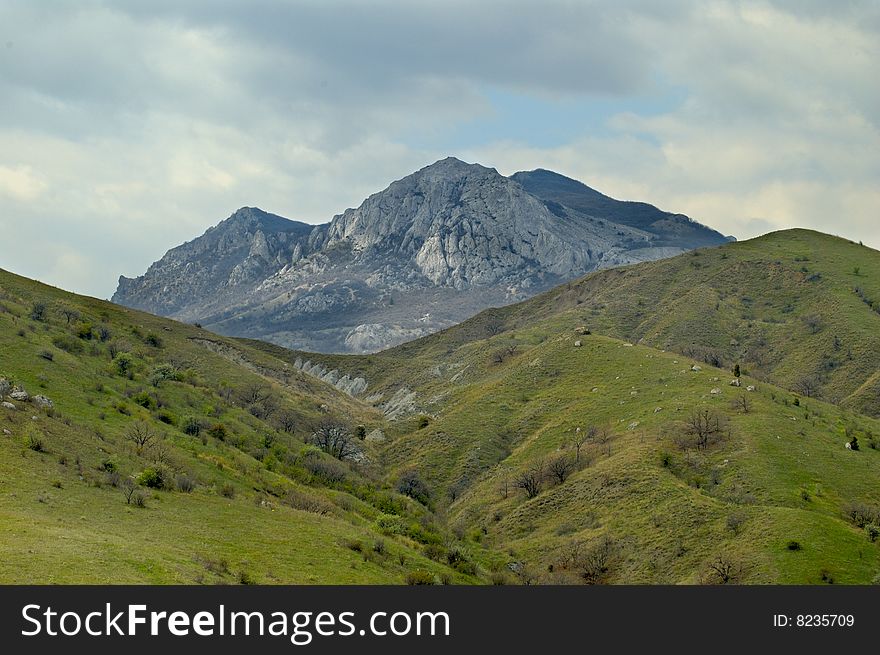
x=127, y=128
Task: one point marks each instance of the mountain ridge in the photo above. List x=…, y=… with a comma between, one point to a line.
x=428, y=251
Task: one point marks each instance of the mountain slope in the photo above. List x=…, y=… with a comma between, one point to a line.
x=774, y=493
x=669, y=229
x=209, y=434
x=797, y=308
x=429, y=251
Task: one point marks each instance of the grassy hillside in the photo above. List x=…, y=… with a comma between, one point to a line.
x=225, y=488
x=775, y=495
x=796, y=308
x=563, y=440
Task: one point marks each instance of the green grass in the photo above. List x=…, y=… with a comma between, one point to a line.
x=767, y=501
x=783, y=472
x=65, y=517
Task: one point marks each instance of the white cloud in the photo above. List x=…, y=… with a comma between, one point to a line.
x=128, y=128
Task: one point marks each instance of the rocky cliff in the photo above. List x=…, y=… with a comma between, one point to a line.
x=429, y=251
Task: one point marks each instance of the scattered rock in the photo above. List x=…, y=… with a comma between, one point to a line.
x=6, y=432
x=633, y=425
x=594, y=389
x=751, y=387
x=43, y=401
x=376, y=436
x=20, y=395
x=9, y=406
x=735, y=382
x=715, y=391
x=696, y=368
x=577, y=344
x=658, y=409
x=848, y=445
x=582, y=330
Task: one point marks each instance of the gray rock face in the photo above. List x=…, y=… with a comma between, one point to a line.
x=5, y=386
x=429, y=251
x=20, y=395
x=43, y=401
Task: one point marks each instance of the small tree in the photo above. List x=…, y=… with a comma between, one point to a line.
x=736, y=371
x=530, y=480
x=336, y=440
x=38, y=311
x=128, y=489
x=560, y=468
x=742, y=404
x=70, y=314
x=141, y=435
x=723, y=570
x=808, y=386
x=410, y=484
x=704, y=426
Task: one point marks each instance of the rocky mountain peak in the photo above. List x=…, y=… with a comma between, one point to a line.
x=430, y=250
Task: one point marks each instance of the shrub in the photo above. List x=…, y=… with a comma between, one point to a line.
x=191, y=426
x=166, y=417
x=410, y=484
x=218, y=431
x=308, y=503
x=861, y=514
x=34, y=442
x=47, y=355
x=68, y=344
x=435, y=552
x=138, y=499
x=108, y=465
x=154, y=477
x=185, y=483
x=873, y=531
x=227, y=490
x=38, y=311
x=84, y=332
x=124, y=363
x=145, y=400
x=327, y=471
x=153, y=340
x=420, y=577
x=794, y=545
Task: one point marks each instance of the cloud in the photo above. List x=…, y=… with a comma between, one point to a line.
x=127, y=128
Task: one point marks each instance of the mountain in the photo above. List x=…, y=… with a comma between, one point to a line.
x=431, y=250
x=676, y=230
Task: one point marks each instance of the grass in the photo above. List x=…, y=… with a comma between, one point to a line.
x=63, y=469
x=503, y=394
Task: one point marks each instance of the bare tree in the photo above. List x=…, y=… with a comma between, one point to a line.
x=287, y=421
x=704, y=426
x=742, y=404
x=141, y=435
x=723, y=570
x=808, y=386
x=580, y=438
x=70, y=314
x=560, y=468
x=128, y=489
x=813, y=323
x=336, y=440
x=530, y=480
x=494, y=325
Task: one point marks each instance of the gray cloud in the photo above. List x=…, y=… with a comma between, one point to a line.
x=126, y=128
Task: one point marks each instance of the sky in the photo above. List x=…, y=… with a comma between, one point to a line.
x=127, y=128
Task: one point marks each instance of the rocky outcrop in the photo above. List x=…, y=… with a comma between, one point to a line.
x=431, y=250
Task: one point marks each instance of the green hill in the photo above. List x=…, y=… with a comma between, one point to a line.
x=581, y=437
x=224, y=488
x=775, y=494
x=796, y=308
